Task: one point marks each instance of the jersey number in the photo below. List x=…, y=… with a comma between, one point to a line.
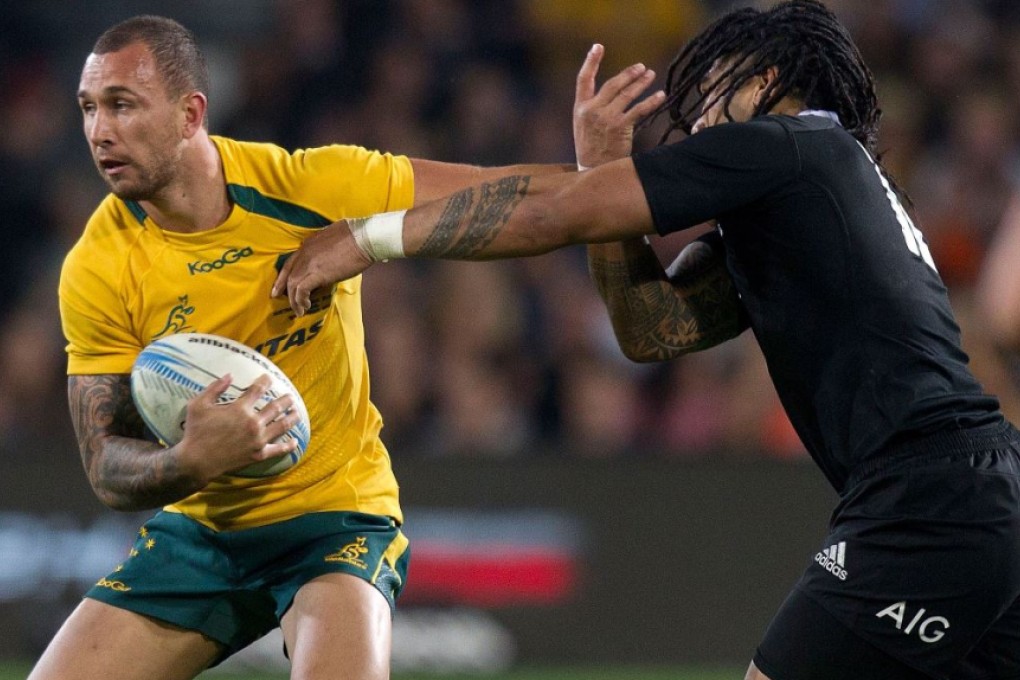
x=911, y=234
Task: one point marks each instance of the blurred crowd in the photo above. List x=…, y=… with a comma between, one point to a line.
x=504, y=359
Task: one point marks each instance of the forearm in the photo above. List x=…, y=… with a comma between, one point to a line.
x=513, y=216
x=657, y=316
x=650, y=320
x=132, y=474
x=523, y=215
x=125, y=471
x=472, y=224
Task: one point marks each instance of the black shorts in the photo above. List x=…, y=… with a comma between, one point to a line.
x=919, y=577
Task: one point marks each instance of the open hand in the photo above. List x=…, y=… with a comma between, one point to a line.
x=220, y=438
x=604, y=120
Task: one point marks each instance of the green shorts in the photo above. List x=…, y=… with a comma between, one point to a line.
x=234, y=586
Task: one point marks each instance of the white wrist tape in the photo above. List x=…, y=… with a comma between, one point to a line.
x=582, y=168
x=380, y=237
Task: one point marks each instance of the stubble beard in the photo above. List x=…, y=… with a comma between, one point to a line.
x=152, y=178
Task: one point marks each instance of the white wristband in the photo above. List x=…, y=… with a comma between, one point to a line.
x=380, y=237
x=582, y=168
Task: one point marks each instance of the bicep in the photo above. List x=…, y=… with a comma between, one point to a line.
x=606, y=204
x=435, y=179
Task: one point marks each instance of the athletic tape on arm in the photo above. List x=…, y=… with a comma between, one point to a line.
x=380, y=237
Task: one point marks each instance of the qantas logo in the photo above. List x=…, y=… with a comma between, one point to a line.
x=230, y=256
x=282, y=343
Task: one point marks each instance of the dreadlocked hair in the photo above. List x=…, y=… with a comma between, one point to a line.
x=814, y=56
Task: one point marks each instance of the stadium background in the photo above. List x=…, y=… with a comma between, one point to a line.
x=566, y=506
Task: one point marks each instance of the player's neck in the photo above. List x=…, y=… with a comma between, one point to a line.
x=788, y=106
x=197, y=198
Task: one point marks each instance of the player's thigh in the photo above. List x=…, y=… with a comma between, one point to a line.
x=102, y=642
x=338, y=627
x=805, y=642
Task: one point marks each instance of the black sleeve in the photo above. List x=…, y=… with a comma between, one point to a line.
x=719, y=169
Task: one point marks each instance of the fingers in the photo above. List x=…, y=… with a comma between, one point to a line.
x=280, y=284
x=300, y=295
x=275, y=444
x=276, y=429
x=275, y=449
x=212, y=393
x=277, y=410
x=586, y=76
x=645, y=106
x=297, y=291
x=255, y=392
x=619, y=91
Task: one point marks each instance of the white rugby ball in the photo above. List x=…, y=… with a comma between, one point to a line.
x=173, y=369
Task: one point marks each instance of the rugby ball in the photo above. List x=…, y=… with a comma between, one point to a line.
x=173, y=369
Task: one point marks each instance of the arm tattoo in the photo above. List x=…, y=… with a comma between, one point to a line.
x=126, y=472
x=658, y=317
x=467, y=226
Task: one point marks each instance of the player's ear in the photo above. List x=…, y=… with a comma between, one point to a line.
x=763, y=81
x=194, y=106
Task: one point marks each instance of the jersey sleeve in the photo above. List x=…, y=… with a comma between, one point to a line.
x=351, y=181
x=94, y=319
x=719, y=169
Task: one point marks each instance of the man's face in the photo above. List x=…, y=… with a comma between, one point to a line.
x=741, y=106
x=133, y=129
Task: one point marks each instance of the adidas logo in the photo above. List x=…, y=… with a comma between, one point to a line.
x=833, y=560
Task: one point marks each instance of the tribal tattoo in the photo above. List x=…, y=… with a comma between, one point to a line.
x=468, y=225
x=126, y=472
x=658, y=318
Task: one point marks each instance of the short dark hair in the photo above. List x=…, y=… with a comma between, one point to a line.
x=814, y=54
x=173, y=46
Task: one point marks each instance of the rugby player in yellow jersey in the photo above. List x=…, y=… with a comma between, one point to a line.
x=191, y=239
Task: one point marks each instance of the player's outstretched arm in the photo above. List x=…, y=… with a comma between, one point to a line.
x=659, y=315
x=516, y=216
x=129, y=473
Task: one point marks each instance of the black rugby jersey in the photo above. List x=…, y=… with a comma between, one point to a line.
x=843, y=298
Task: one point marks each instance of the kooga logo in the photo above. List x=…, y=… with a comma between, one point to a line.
x=231, y=256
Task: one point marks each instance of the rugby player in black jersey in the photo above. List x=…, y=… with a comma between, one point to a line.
x=814, y=250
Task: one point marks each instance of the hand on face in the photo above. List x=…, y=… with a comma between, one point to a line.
x=327, y=257
x=604, y=119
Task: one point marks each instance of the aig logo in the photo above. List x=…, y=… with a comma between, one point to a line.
x=231, y=256
x=929, y=628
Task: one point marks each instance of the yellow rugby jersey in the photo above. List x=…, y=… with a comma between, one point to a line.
x=127, y=282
